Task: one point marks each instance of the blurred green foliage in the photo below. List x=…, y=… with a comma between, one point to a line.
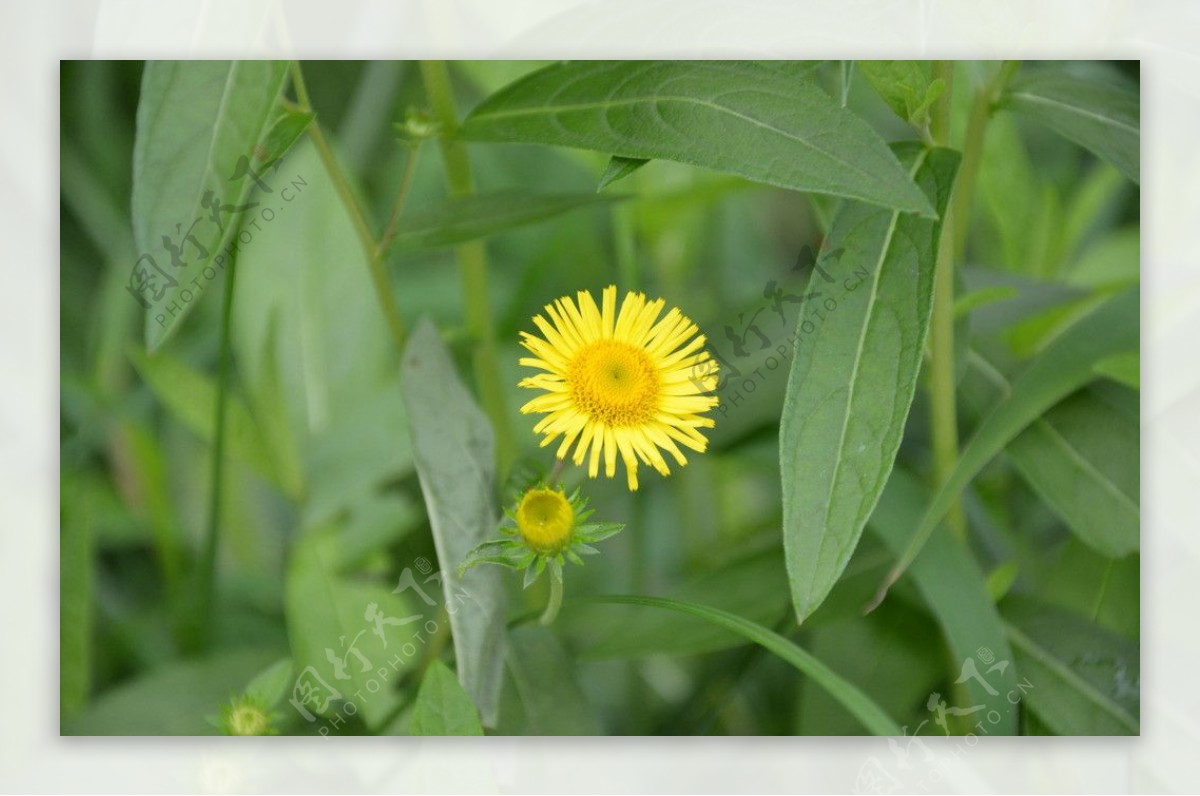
x=323, y=514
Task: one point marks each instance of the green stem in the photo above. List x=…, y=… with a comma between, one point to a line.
x=389, y=232
x=472, y=262
x=208, y=556
x=379, y=277
x=555, y=601
x=942, y=405
x=951, y=249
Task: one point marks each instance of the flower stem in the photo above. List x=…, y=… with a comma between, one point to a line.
x=472, y=262
x=208, y=556
x=555, y=601
x=379, y=277
x=943, y=407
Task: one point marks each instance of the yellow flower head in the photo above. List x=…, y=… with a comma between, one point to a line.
x=545, y=519
x=624, y=382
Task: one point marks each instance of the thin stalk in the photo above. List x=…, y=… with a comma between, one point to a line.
x=472, y=263
x=943, y=406
x=951, y=250
x=208, y=556
x=379, y=277
x=389, y=232
x=555, y=601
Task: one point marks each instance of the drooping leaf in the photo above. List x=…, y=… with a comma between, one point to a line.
x=852, y=378
x=1064, y=366
x=200, y=126
x=1098, y=112
x=191, y=397
x=544, y=675
x=869, y=714
x=1081, y=457
x=463, y=218
x=1083, y=680
x=763, y=124
x=443, y=707
x=618, y=169
x=954, y=588
x=453, y=449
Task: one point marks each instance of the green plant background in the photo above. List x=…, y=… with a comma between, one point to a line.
x=965, y=428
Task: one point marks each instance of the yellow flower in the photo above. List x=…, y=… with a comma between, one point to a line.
x=545, y=519
x=624, y=382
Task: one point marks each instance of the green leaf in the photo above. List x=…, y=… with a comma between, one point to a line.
x=197, y=123
x=331, y=629
x=870, y=715
x=1102, y=590
x=463, y=218
x=1099, y=112
x=443, y=707
x=270, y=685
x=1122, y=368
x=191, y=397
x=1064, y=366
x=173, y=699
x=1111, y=263
x=1081, y=458
x=290, y=123
x=543, y=672
x=453, y=448
x=1085, y=680
x=764, y=124
x=953, y=586
x=753, y=587
x=907, y=87
x=853, y=376
x=966, y=304
x=618, y=169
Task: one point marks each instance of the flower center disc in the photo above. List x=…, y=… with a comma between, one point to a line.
x=615, y=383
x=545, y=519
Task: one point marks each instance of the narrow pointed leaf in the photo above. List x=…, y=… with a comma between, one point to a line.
x=1100, y=114
x=1082, y=679
x=1064, y=366
x=200, y=126
x=767, y=125
x=872, y=717
x=853, y=375
x=453, y=449
x=952, y=585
